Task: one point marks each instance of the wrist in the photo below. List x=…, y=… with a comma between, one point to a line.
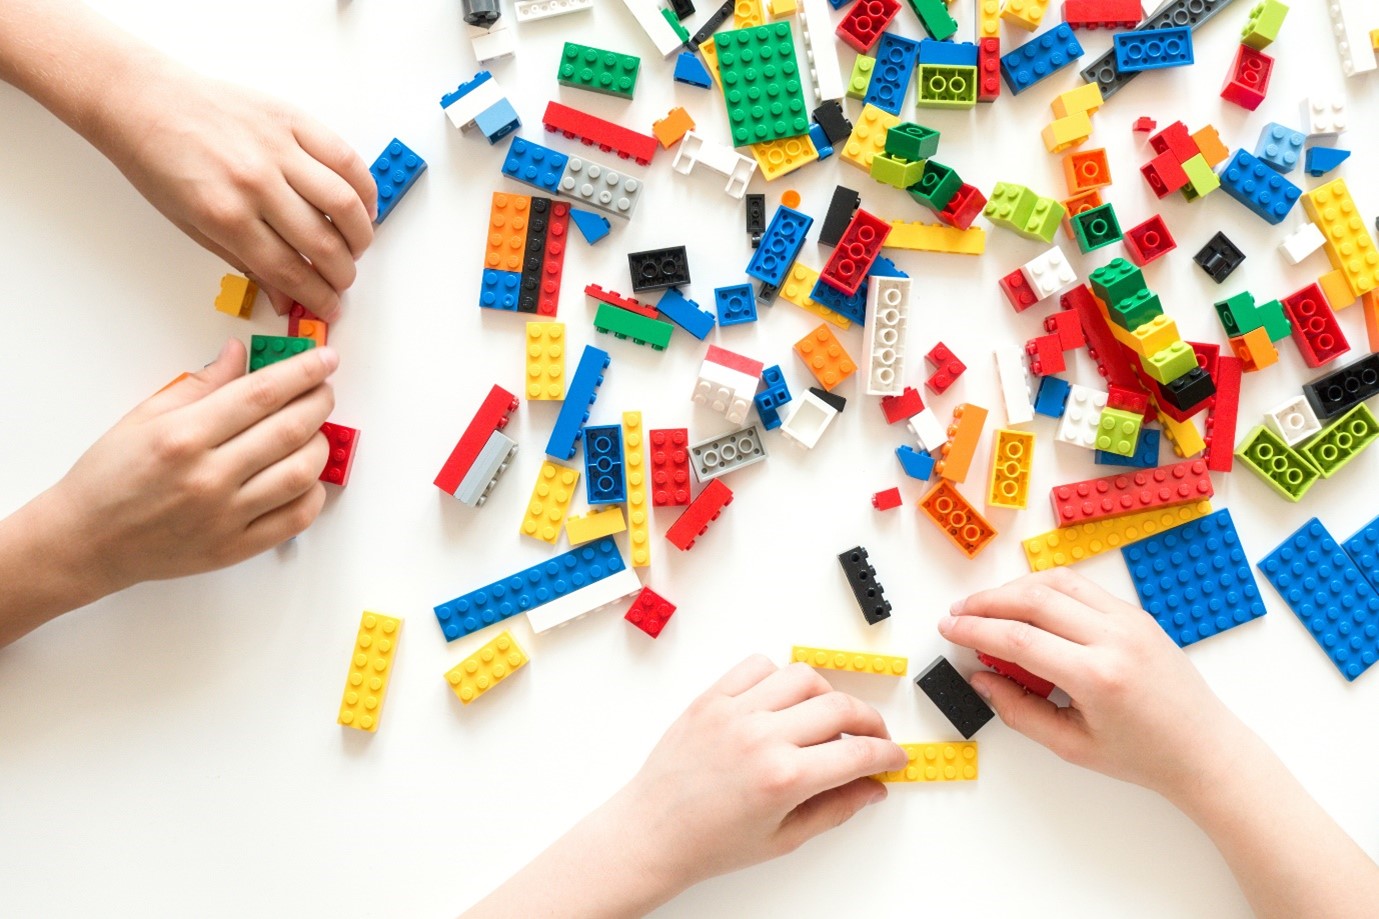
x=1225, y=754
x=649, y=867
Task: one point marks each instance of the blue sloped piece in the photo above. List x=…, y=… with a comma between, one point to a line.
x=591, y=226
x=691, y=71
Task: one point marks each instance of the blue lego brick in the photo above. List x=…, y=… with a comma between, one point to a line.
x=779, y=247
x=1040, y=57
x=838, y=4
x=526, y=590
x=498, y=121
x=736, y=304
x=394, y=172
x=1329, y=595
x=579, y=400
x=1053, y=396
x=885, y=268
x=685, y=313
x=605, y=477
x=1363, y=549
x=853, y=307
x=1146, y=454
x=896, y=59
x=918, y=464
x=1321, y=160
x=591, y=226
x=464, y=89
x=498, y=290
x=1195, y=579
x=1152, y=49
x=1265, y=192
x=1280, y=148
x=534, y=165
x=770, y=400
x=691, y=71
x=948, y=53
x=820, y=140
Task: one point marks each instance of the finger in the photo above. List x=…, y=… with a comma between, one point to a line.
x=279, y=435
x=822, y=718
x=1059, y=729
x=1035, y=600
x=326, y=147
x=827, y=810
x=1087, y=592
x=1052, y=657
x=282, y=267
x=744, y=676
x=282, y=303
x=284, y=481
x=786, y=687
x=307, y=230
x=227, y=366
x=325, y=190
x=278, y=526
x=251, y=398
x=837, y=762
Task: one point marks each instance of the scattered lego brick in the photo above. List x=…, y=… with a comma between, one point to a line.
x=650, y=612
x=606, y=72
x=1131, y=493
x=825, y=357
x=947, y=369
x=957, y=518
x=1012, y=457
x=696, y=518
x=366, y=684
x=1071, y=544
x=954, y=697
x=486, y=668
x=394, y=173
x=870, y=595
x=850, y=661
x=343, y=441
x=887, y=500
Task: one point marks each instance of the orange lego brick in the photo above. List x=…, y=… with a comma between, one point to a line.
x=1076, y=205
x=1067, y=545
x=506, y=245
x=1337, y=290
x=1255, y=349
x=236, y=297
x=1369, y=303
x=825, y=357
x=957, y=518
x=670, y=129
x=955, y=457
x=1209, y=145
x=1086, y=170
x=314, y=329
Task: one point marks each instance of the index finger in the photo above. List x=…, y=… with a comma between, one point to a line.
x=326, y=147
x=1052, y=657
x=1048, y=600
x=245, y=401
x=850, y=757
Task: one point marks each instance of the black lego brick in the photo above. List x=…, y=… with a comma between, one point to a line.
x=831, y=117
x=682, y=9
x=534, y=258
x=837, y=402
x=756, y=218
x=840, y=210
x=657, y=269
x=953, y=696
x=1219, y=257
x=1343, y=388
x=871, y=596
x=711, y=25
x=1189, y=390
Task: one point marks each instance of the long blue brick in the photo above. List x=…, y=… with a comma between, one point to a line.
x=1040, y=57
x=579, y=400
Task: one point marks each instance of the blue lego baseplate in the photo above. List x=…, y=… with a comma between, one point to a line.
x=1363, y=549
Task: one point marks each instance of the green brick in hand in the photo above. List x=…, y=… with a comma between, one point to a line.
x=269, y=349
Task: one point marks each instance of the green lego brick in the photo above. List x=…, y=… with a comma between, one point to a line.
x=1274, y=320
x=1281, y=467
x=896, y=171
x=934, y=16
x=1118, y=431
x=621, y=324
x=1261, y=29
x=1116, y=280
x=1044, y=220
x=269, y=349
x=1009, y=206
x=912, y=141
x=1170, y=363
x=936, y=186
x=1341, y=441
x=1135, y=310
x=1096, y=228
x=761, y=83
x=861, y=76
x=681, y=32
x=1201, y=180
x=944, y=86
x=1235, y=313
x=600, y=71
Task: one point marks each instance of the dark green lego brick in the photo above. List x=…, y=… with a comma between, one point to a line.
x=912, y=141
x=1116, y=280
x=934, y=16
x=761, y=83
x=1135, y=310
x=1096, y=228
x=269, y=349
x=621, y=324
x=1235, y=311
x=599, y=71
x=936, y=187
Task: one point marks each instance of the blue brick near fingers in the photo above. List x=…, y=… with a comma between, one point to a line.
x=394, y=172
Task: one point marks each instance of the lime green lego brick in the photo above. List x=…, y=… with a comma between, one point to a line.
x=861, y=76
x=600, y=71
x=944, y=86
x=896, y=171
x=1341, y=441
x=1116, y=280
x=761, y=83
x=1261, y=29
x=1096, y=227
x=1009, y=205
x=1044, y=220
x=1135, y=310
x=912, y=141
x=1201, y=180
x=265, y=350
x=1118, y=431
x=1281, y=467
x=621, y=324
x=1170, y=363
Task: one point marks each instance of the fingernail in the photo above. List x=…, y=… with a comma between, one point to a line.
x=223, y=348
x=877, y=796
x=958, y=604
x=945, y=625
x=329, y=357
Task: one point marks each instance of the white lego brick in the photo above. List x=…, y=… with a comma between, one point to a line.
x=488, y=466
x=1293, y=420
x=493, y=43
x=1081, y=417
x=928, y=431
x=821, y=57
x=1325, y=115
x=1010, y=370
x=724, y=390
x=648, y=16
x=888, y=312
x=582, y=602
x=529, y=10
x=1301, y=243
x=464, y=110
x=1048, y=273
x=1351, y=35
x=694, y=150
x=809, y=417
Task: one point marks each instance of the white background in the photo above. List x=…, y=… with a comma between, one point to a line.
x=174, y=750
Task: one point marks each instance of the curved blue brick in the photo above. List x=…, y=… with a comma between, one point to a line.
x=779, y=247
x=918, y=464
x=1259, y=188
x=579, y=401
x=534, y=165
x=896, y=59
x=1040, y=57
x=394, y=172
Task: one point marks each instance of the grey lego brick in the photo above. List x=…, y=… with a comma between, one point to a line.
x=488, y=466
x=720, y=455
x=600, y=188
x=1191, y=13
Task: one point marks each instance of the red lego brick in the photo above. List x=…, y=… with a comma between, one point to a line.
x=295, y=315
x=734, y=361
x=1145, y=125
x=1219, y=433
x=1101, y=14
x=902, y=407
x=988, y=70
x=670, y=469
x=1131, y=492
x=595, y=131
x=947, y=369
x=1112, y=364
x=886, y=500
x=856, y=252
x=865, y=22
x=1175, y=139
x=1045, y=355
x=967, y=202
x=1148, y=241
x=1065, y=325
x=1017, y=290
x=613, y=298
x=1128, y=400
x=342, y=442
x=1035, y=684
x=1315, y=328
x=702, y=511
x=491, y=416
x=553, y=259
x=1247, y=83
x=650, y=612
x=1165, y=174
x=1207, y=354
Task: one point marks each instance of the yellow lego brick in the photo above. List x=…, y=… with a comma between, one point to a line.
x=781, y=8
x=550, y=502
x=1349, y=245
x=236, y=297
x=988, y=19
x=314, y=329
x=1024, y=14
x=1012, y=457
x=1337, y=290
x=1153, y=336
x=798, y=283
x=779, y=157
x=1070, y=544
x=854, y=661
x=936, y=762
x=596, y=524
x=1183, y=435
x=927, y=237
x=747, y=14
x=545, y=361
x=1374, y=38
x=371, y=664
x=486, y=668
x=1067, y=132
x=634, y=468
x=868, y=137
x=1085, y=99
x=710, y=52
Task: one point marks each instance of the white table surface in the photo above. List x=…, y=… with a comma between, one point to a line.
x=173, y=750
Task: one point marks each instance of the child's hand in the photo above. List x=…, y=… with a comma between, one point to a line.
x=210, y=471
x=1140, y=711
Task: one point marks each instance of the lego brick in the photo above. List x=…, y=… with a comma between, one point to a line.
x=1072, y=544
x=821, y=53
x=888, y=303
x=1348, y=24
x=673, y=127
x=1293, y=420
x=1021, y=211
x=1012, y=457
x=1017, y=290
x=1066, y=326
x=530, y=10
x=1222, y=415
x=394, y=173
x=497, y=121
x=712, y=24
x=1341, y=440
x=342, y=441
x=934, y=17
x=727, y=453
x=1279, y=147
x=1247, y=82
x=638, y=516
x=650, y=612
x=1191, y=13
x=988, y=69
x=963, y=208
x=1321, y=160
x=545, y=361
x=486, y=668
x=1315, y=328
x=1096, y=228
x=756, y=218
x=492, y=416
x=955, y=456
x=613, y=298
x=632, y=327
x=534, y=165
x=595, y=131
x=947, y=368
x=1101, y=14
x=579, y=400
x=1182, y=435
x=1130, y=493
x=1148, y=241
x=783, y=156
x=895, y=172
x=1259, y=188
x=296, y=315
x=481, y=12
x=1261, y=28
x=917, y=464
x=927, y=430
x=599, y=188
x=470, y=99
x=798, y=285
x=1325, y=115
x=808, y=418
x=780, y=246
x=1363, y=550
x=1040, y=57
x=1081, y=417
x=935, y=762
x=896, y=60
x=937, y=185
x=770, y=400
x=696, y=518
x=726, y=391
x=1052, y=399
x=685, y=313
x=829, y=116
x=550, y=502
x=868, y=137
x=1118, y=431
x=1084, y=170
x=923, y=237
x=657, y=269
x=912, y=141
x=747, y=13
x=949, y=53
x=1062, y=133
x=954, y=697
x=1336, y=289
x=941, y=86
x=1279, y=466
x=863, y=66
x=605, y=481
x=1152, y=49
x=593, y=227
x=544, y=262
x=865, y=22
x=598, y=523
x=861, y=576
x=492, y=461
x=579, y=603
x=670, y=473
x=1015, y=394
x=691, y=71
x=887, y=500
x=1219, y=257
x=968, y=530
x=850, y=661
x=1350, y=247
x=1165, y=174
x=841, y=207
x=1146, y=455
x=490, y=44
x=655, y=26
x=825, y=357
x=761, y=60
x=903, y=406
x=1104, y=349
x=371, y=667
x=855, y=252
x=236, y=296
x=1017, y=674
x=1201, y=180
x=1329, y=595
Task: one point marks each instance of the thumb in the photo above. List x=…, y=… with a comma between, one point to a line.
x=190, y=387
x=827, y=810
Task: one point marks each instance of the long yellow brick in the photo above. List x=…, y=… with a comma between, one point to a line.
x=371, y=664
x=1348, y=243
x=1070, y=544
x=852, y=661
x=936, y=762
x=634, y=468
x=926, y=237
